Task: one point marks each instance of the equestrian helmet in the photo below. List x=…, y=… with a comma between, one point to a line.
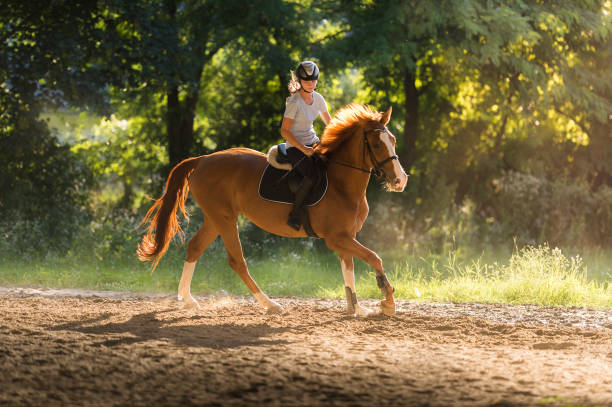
x=308, y=71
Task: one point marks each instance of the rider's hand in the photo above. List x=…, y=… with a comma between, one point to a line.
x=309, y=151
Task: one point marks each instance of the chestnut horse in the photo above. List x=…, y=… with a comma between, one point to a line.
x=224, y=184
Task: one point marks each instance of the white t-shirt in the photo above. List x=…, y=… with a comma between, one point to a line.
x=303, y=116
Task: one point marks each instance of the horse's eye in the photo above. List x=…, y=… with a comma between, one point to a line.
x=376, y=145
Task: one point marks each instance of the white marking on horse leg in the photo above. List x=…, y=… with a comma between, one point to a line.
x=353, y=306
x=184, y=288
x=272, y=307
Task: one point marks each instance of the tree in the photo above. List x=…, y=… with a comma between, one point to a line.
x=106, y=56
x=393, y=43
x=179, y=40
x=45, y=62
x=530, y=65
x=410, y=51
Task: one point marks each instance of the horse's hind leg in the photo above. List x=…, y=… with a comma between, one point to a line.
x=348, y=272
x=202, y=239
x=230, y=237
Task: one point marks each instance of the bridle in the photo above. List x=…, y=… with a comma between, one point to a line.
x=377, y=166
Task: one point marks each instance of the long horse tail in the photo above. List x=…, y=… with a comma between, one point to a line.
x=164, y=222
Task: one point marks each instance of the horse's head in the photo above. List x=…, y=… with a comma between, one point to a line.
x=379, y=143
x=373, y=145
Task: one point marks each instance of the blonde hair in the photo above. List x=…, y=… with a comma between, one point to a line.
x=294, y=84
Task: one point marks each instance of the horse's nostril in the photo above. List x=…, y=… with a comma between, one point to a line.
x=397, y=181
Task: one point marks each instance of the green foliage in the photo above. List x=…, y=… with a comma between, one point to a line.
x=126, y=165
x=44, y=187
x=178, y=42
x=559, y=211
x=243, y=97
x=43, y=192
x=51, y=56
x=528, y=208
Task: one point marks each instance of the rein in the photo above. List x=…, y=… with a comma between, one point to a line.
x=377, y=170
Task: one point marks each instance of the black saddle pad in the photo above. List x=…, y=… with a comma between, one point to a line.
x=273, y=188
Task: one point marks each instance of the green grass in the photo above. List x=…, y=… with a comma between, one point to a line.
x=541, y=276
x=534, y=275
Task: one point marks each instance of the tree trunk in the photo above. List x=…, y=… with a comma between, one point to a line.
x=180, y=114
x=173, y=120
x=179, y=122
x=411, y=126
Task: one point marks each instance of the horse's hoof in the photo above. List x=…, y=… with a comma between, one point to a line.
x=190, y=302
x=387, y=308
x=192, y=305
x=363, y=312
x=274, y=309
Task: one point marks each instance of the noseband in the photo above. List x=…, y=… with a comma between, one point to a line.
x=377, y=166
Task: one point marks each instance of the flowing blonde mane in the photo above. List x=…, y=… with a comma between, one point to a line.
x=345, y=123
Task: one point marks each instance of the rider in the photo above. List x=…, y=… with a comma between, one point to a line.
x=302, y=108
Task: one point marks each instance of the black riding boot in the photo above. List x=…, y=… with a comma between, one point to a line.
x=295, y=216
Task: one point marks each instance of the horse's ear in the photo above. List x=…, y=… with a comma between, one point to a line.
x=386, y=117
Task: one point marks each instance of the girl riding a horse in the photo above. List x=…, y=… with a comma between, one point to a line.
x=302, y=108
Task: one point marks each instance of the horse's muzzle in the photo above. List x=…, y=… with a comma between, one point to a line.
x=398, y=184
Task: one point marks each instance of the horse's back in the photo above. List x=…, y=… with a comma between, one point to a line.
x=225, y=173
x=225, y=164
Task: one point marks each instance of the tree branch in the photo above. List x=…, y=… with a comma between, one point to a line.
x=330, y=36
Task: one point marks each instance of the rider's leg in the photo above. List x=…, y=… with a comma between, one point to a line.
x=301, y=195
x=303, y=165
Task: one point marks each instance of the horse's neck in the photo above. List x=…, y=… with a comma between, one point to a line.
x=351, y=181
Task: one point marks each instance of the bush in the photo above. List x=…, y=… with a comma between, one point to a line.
x=521, y=207
x=561, y=211
x=43, y=192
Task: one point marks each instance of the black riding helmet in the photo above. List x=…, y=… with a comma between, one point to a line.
x=308, y=71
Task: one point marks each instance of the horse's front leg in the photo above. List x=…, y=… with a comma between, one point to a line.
x=386, y=289
x=352, y=247
x=348, y=272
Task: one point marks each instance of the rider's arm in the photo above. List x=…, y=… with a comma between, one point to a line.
x=287, y=135
x=326, y=117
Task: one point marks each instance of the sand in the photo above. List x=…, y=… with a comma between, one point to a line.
x=86, y=348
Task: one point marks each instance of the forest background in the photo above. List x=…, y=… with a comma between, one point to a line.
x=502, y=111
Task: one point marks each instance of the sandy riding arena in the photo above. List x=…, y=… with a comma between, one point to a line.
x=69, y=348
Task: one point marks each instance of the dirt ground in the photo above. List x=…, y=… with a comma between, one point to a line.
x=66, y=347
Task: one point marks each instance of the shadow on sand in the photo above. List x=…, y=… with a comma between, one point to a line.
x=147, y=327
